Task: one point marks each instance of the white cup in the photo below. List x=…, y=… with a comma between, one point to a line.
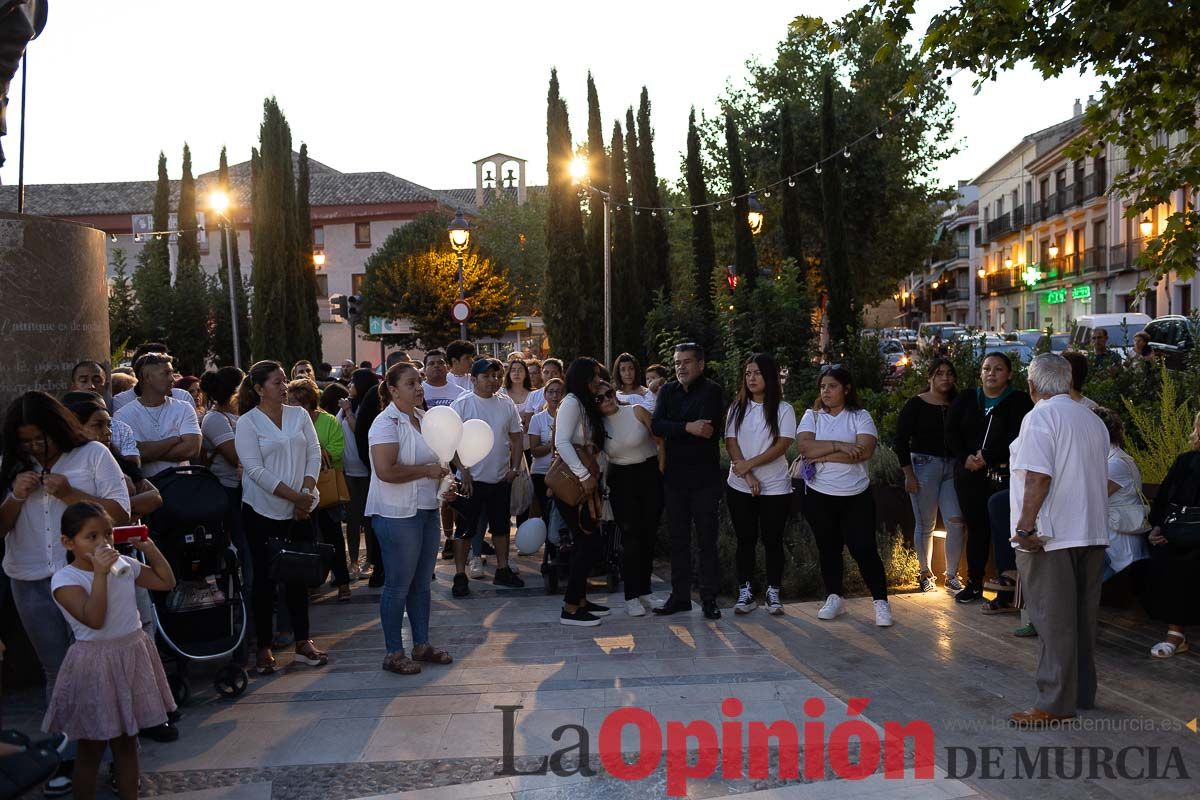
x=120, y=568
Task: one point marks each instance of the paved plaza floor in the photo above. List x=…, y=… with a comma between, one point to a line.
x=350, y=730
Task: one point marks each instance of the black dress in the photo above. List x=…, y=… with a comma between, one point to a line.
x=1171, y=575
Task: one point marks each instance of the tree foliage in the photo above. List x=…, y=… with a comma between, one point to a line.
x=745, y=258
x=628, y=301
x=704, y=256
x=152, y=276
x=221, y=345
x=1147, y=56
x=188, y=330
x=591, y=309
x=123, y=324
x=841, y=307
x=649, y=195
x=513, y=237
x=309, y=311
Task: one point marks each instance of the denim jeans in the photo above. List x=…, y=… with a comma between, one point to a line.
x=935, y=477
x=409, y=548
x=45, y=625
x=1000, y=519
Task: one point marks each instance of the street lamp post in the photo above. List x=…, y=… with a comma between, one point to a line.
x=219, y=202
x=460, y=236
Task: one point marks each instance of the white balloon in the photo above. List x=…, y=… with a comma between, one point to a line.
x=476, y=443
x=531, y=535
x=442, y=429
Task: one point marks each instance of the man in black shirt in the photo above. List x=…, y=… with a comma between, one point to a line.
x=689, y=415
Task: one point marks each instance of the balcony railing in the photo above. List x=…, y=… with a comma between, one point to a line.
x=1095, y=259
x=999, y=226
x=1094, y=185
x=1002, y=280
x=978, y=236
x=962, y=251
x=1018, y=216
x=1124, y=256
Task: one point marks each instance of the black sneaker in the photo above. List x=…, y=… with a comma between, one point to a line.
x=462, y=586
x=710, y=609
x=488, y=550
x=160, y=733
x=506, y=577
x=579, y=618
x=597, y=610
x=970, y=594
x=448, y=550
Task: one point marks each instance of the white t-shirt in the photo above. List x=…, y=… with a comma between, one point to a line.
x=271, y=455
x=121, y=617
x=754, y=438
x=646, y=400
x=172, y=418
x=536, y=402
x=1123, y=548
x=218, y=428
x=352, y=463
x=841, y=480
x=461, y=381
x=501, y=416
x=1063, y=439
x=122, y=399
x=400, y=500
x=1088, y=403
x=542, y=426
x=33, y=548
x=441, y=395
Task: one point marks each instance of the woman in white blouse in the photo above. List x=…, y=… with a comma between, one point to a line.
x=1126, y=539
x=48, y=464
x=627, y=373
x=403, y=505
x=578, y=438
x=280, y=456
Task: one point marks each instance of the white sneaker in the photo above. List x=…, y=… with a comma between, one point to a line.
x=475, y=570
x=773, y=605
x=634, y=608
x=650, y=602
x=883, y=614
x=745, y=602
x=834, y=606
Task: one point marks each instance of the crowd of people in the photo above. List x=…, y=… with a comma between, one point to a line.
x=1036, y=483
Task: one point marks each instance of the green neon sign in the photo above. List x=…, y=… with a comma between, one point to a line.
x=1056, y=296
x=1031, y=275
x=1081, y=292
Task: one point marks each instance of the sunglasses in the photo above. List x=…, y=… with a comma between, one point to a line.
x=828, y=368
x=602, y=396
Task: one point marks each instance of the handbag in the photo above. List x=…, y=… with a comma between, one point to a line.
x=564, y=484
x=332, y=488
x=1181, y=527
x=521, y=496
x=299, y=560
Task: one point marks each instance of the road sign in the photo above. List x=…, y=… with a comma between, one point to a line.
x=378, y=326
x=460, y=311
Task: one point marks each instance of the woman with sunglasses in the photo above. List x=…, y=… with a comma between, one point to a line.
x=837, y=437
x=759, y=429
x=636, y=491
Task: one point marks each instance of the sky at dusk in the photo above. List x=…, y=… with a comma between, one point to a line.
x=420, y=90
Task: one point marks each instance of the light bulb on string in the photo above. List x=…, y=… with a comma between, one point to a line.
x=791, y=183
x=671, y=212
x=654, y=213
x=637, y=212
x=845, y=153
x=766, y=194
x=879, y=133
x=817, y=169
x=717, y=207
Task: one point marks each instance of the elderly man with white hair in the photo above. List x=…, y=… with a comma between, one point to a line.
x=1058, y=500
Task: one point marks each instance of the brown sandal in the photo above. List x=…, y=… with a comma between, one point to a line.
x=400, y=664
x=307, y=652
x=430, y=655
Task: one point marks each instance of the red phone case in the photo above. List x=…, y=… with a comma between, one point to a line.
x=130, y=533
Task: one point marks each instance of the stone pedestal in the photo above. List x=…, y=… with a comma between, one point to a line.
x=53, y=303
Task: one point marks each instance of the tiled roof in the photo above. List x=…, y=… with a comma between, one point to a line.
x=466, y=197
x=328, y=187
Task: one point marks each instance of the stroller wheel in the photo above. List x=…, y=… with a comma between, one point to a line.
x=231, y=682
x=180, y=690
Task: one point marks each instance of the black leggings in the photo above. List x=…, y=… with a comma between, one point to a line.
x=768, y=512
x=258, y=530
x=330, y=524
x=636, y=493
x=973, y=494
x=849, y=521
x=583, y=550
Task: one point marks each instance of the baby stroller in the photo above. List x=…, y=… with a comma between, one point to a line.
x=556, y=555
x=204, y=617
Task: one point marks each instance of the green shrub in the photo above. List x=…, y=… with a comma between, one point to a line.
x=1163, y=431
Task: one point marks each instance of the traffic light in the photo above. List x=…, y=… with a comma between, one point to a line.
x=337, y=306
x=354, y=306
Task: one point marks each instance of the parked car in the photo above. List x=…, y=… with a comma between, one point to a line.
x=929, y=331
x=1172, y=337
x=1056, y=343
x=1030, y=336
x=1121, y=327
x=895, y=356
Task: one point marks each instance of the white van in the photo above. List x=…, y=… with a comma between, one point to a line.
x=1121, y=328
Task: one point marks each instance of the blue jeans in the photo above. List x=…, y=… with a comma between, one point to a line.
x=935, y=478
x=1000, y=519
x=409, y=548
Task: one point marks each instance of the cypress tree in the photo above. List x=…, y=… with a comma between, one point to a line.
x=189, y=323
x=643, y=232
x=277, y=330
x=745, y=258
x=222, y=339
x=123, y=327
x=661, y=275
x=310, y=311
x=152, y=276
x=629, y=305
x=793, y=237
x=592, y=309
x=564, y=234
x=704, y=252
x=835, y=267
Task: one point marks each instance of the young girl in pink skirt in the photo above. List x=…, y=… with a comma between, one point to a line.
x=111, y=683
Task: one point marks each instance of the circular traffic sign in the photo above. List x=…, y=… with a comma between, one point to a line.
x=460, y=311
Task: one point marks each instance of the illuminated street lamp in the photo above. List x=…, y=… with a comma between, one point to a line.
x=982, y=273
x=318, y=259
x=754, y=214
x=218, y=201
x=1008, y=263
x=1146, y=227
x=459, y=231
x=1053, y=250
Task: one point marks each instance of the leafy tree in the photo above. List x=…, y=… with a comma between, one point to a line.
x=566, y=253
x=152, y=276
x=629, y=304
x=421, y=287
x=277, y=328
x=591, y=310
x=383, y=281
x=513, y=237
x=649, y=195
x=222, y=329
x=644, y=257
x=1146, y=53
x=123, y=324
x=188, y=330
x=745, y=257
x=791, y=223
x=841, y=309
x=310, y=312
x=704, y=256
